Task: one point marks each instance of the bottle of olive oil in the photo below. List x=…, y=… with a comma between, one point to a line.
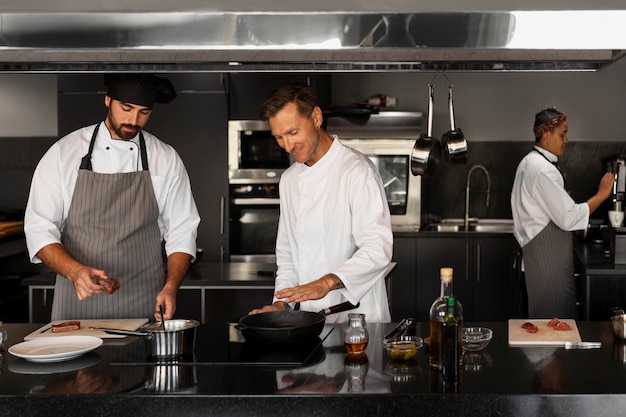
x=438, y=312
x=451, y=340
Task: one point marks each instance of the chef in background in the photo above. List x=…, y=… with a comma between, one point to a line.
x=334, y=238
x=103, y=199
x=544, y=216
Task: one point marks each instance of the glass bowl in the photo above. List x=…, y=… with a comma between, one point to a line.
x=476, y=338
x=403, y=348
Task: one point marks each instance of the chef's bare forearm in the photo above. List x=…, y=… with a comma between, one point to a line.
x=55, y=257
x=177, y=266
x=333, y=282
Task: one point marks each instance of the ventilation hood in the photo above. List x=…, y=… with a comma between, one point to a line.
x=325, y=35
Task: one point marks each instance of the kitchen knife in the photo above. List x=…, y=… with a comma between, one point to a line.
x=583, y=345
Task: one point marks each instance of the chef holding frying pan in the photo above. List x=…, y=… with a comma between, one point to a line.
x=334, y=238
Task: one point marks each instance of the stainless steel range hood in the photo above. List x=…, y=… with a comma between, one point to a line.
x=234, y=36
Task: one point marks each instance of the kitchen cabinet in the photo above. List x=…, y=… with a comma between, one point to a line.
x=195, y=124
x=481, y=274
x=402, y=282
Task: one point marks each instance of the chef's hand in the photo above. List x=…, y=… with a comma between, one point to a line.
x=166, y=298
x=83, y=279
x=313, y=290
x=277, y=306
x=605, y=188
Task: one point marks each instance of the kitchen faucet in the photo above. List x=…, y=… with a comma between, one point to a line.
x=468, y=189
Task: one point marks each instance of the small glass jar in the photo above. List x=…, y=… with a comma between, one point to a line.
x=3, y=334
x=356, y=337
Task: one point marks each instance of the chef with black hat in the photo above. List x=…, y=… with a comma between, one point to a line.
x=102, y=201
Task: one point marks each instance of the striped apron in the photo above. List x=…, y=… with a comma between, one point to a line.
x=549, y=273
x=112, y=225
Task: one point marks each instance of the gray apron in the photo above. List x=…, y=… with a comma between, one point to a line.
x=112, y=225
x=549, y=273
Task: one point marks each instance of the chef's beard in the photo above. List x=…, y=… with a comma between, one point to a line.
x=124, y=134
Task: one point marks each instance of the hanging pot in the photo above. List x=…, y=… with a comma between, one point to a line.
x=453, y=142
x=427, y=150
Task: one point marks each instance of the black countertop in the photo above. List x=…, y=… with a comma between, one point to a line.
x=117, y=379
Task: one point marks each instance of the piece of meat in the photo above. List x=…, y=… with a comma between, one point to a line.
x=66, y=326
x=110, y=284
x=530, y=328
x=562, y=326
x=554, y=322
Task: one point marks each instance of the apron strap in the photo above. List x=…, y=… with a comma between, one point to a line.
x=85, y=162
x=556, y=165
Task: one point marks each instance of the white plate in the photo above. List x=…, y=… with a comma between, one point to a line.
x=55, y=349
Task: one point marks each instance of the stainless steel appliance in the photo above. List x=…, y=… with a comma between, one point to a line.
x=253, y=153
x=387, y=139
x=617, y=165
x=255, y=163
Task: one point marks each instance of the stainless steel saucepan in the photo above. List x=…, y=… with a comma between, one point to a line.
x=453, y=142
x=178, y=339
x=427, y=149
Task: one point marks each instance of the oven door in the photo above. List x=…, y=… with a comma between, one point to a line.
x=253, y=229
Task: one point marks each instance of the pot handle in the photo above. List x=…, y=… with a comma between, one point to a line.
x=120, y=331
x=339, y=308
x=451, y=108
x=431, y=106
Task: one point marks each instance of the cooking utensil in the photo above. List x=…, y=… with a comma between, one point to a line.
x=404, y=328
x=176, y=339
x=162, y=310
x=427, y=149
x=453, y=142
x=287, y=326
x=583, y=345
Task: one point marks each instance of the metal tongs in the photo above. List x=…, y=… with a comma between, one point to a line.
x=405, y=327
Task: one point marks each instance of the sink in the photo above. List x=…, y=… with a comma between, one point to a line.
x=475, y=225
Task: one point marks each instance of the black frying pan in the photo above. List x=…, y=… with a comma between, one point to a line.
x=287, y=326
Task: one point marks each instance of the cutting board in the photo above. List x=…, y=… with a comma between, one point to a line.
x=124, y=324
x=545, y=336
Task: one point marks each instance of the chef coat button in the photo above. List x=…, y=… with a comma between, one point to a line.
x=131, y=149
x=107, y=148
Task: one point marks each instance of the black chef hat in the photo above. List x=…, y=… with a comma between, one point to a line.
x=140, y=89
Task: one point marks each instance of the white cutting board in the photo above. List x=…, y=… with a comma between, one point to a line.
x=124, y=324
x=545, y=336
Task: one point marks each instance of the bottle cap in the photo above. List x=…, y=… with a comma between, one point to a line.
x=446, y=274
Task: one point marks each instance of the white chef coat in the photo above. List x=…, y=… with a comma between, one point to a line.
x=334, y=218
x=55, y=177
x=538, y=197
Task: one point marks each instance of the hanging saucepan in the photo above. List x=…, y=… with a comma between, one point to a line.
x=453, y=142
x=287, y=326
x=177, y=340
x=427, y=149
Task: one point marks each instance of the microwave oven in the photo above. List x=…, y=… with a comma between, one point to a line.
x=253, y=153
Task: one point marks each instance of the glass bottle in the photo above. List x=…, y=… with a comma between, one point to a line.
x=451, y=341
x=356, y=337
x=3, y=334
x=437, y=315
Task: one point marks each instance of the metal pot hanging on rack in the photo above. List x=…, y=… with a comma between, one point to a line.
x=427, y=149
x=453, y=142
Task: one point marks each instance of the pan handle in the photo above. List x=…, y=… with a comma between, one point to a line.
x=120, y=331
x=451, y=108
x=339, y=308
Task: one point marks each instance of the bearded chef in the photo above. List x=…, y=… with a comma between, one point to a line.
x=102, y=201
x=334, y=239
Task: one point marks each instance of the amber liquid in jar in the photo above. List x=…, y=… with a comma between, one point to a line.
x=355, y=349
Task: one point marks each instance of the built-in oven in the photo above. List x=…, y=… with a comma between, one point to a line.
x=387, y=139
x=254, y=211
